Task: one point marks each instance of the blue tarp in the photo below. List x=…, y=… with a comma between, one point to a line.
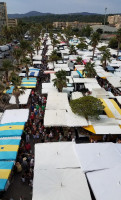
x=8, y=155
x=10, y=142
x=4, y=166
x=10, y=91
x=80, y=74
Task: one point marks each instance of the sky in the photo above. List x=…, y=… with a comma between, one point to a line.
x=63, y=6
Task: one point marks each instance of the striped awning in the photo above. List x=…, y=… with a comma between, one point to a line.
x=11, y=129
x=5, y=171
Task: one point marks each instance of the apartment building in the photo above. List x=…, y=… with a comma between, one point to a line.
x=75, y=24
x=12, y=22
x=3, y=15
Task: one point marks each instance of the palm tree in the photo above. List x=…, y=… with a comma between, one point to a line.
x=16, y=82
x=37, y=45
x=89, y=70
x=54, y=42
x=26, y=61
x=3, y=96
x=72, y=50
x=30, y=50
x=7, y=66
x=119, y=41
x=17, y=54
x=79, y=61
x=82, y=46
x=106, y=55
x=53, y=57
x=95, y=37
x=60, y=81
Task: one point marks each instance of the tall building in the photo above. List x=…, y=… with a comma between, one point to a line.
x=3, y=15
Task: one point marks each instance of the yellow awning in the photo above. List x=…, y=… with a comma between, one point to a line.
x=89, y=128
x=116, y=106
x=107, y=110
x=12, y=127
x=9, y=148
x=4, y=173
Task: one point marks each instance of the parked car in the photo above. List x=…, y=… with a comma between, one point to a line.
x=4, y=48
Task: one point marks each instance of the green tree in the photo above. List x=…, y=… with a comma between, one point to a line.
x=54, y=42
x=89, y=70
x=95, y=38
x=87, y=106
x=86, y=31
x=37, y=45
x=118, y=36
x=26, y=61
x=113, y=43
x=106, y=55
x=34, y=32
x=72, y=50
x=79, y=61
x=30, y=50
x=17, y=54
x=54, y=57
x=24, y=45
x=82, y=46
x=16, y=82
x=7, y=66
x=60, y=81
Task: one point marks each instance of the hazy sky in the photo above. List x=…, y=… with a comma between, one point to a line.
x=63, y=6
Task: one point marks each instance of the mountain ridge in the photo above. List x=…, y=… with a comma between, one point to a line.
x=36, y=13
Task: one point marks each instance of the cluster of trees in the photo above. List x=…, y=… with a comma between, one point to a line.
x=65, y=18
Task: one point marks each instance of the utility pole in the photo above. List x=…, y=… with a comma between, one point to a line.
x=105, y=16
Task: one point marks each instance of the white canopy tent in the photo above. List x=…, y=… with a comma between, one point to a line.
x=118, y=99
x=114, y=81
x=37, y=57
x=97, y=156
x=37, y=62
x=23, y=98
x=16, y=115
x=85, y=80
x=59, y=113
x=92, y=86
x=48, y=87
x=105, y=125
x=76, y=95
x=61, y=184
x=55, y=155
x=56, y=173
x=106, y=184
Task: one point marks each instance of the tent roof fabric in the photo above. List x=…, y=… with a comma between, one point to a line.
x=106, y=184
x=84, y=80
x=60, y=184
x=111, y=108
x=55, y=155
x=23, y=98
x=11, y=129
x=5, y=170
x=76, y=95
x=59, y=113
x=16, y=115
x=57, y=174
x=8, y=152
x=97, y=156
